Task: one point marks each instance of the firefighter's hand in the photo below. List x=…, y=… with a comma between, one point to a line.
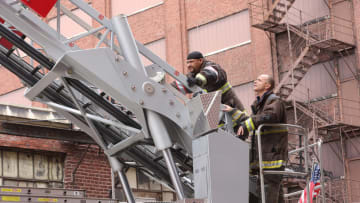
x=240, y=131
x=227, y=108
x=191, y=81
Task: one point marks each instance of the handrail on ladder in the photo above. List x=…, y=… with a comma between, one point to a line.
x=258, y=133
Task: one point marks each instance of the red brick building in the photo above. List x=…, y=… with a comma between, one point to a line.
x=242, y=37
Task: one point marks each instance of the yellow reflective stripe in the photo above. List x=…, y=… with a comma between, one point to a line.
x=10, y=198
x=202, y=78
x=221, y=125
x=205, y=90
x=225, y=88
x=10, y=190
x=270, y=164
x=274, y=131
x=249, y=125
x=47, y=200
x=273, y=164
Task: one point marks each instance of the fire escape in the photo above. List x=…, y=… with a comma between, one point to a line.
x=308, y=42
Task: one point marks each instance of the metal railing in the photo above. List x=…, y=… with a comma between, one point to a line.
x=305, y=149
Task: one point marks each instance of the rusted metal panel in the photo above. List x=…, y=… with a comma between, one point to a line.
x=220, y=34
x=352, y=146
x=342, y=22
x=350, y=102
x=129, y=7
x=354, y=179
x=41, y=167
x=331, y=152
x=347, y=67
x=26, y=168
x=316, y=83
x=10, y=166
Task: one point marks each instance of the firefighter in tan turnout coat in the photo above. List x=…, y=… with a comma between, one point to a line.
x=268, y=108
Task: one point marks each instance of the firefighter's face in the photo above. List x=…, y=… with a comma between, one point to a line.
x=261, y=84
x=193, y=65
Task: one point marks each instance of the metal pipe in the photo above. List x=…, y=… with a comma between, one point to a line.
x=262, y=187
x=126, y=187
x=321, y=171
x=84, y=34
x=258, y=135
x=163, y=142
x=58, y=3
x=127, y=43
x=102, y=38
x=173, y=173
x=302, y=148
x=92, y=117
x=117, y=166
x=307, y=165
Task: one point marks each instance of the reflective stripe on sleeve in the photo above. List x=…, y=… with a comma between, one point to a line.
x=250, y=125
x=225, y=87
x=202, y=78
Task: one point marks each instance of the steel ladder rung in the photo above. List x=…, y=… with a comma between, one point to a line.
x=285, y=173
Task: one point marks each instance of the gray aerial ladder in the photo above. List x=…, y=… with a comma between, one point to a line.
x=166, y=122
x=197, y=159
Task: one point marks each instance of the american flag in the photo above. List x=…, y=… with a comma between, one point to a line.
x=314, y=185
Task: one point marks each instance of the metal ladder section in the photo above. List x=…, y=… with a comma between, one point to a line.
x=300, y=131
x=40, y=195
x=119, y=72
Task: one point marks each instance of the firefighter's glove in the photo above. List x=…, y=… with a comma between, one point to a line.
x=242, y=132
x=198, y=93
x=191, y=81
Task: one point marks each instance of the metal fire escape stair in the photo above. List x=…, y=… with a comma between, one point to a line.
x=272, y=18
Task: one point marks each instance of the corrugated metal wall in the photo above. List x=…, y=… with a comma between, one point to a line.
x=220, y=34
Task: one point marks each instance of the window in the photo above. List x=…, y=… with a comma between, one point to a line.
x=158, y=48
x=130, y=7
x=221, y=34
x=30, y=169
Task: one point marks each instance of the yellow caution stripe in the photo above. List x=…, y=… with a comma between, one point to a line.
x=10, y=190
x=10, y=198
x=47, y=200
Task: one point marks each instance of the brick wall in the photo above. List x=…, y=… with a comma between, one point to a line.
x=93, y=173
